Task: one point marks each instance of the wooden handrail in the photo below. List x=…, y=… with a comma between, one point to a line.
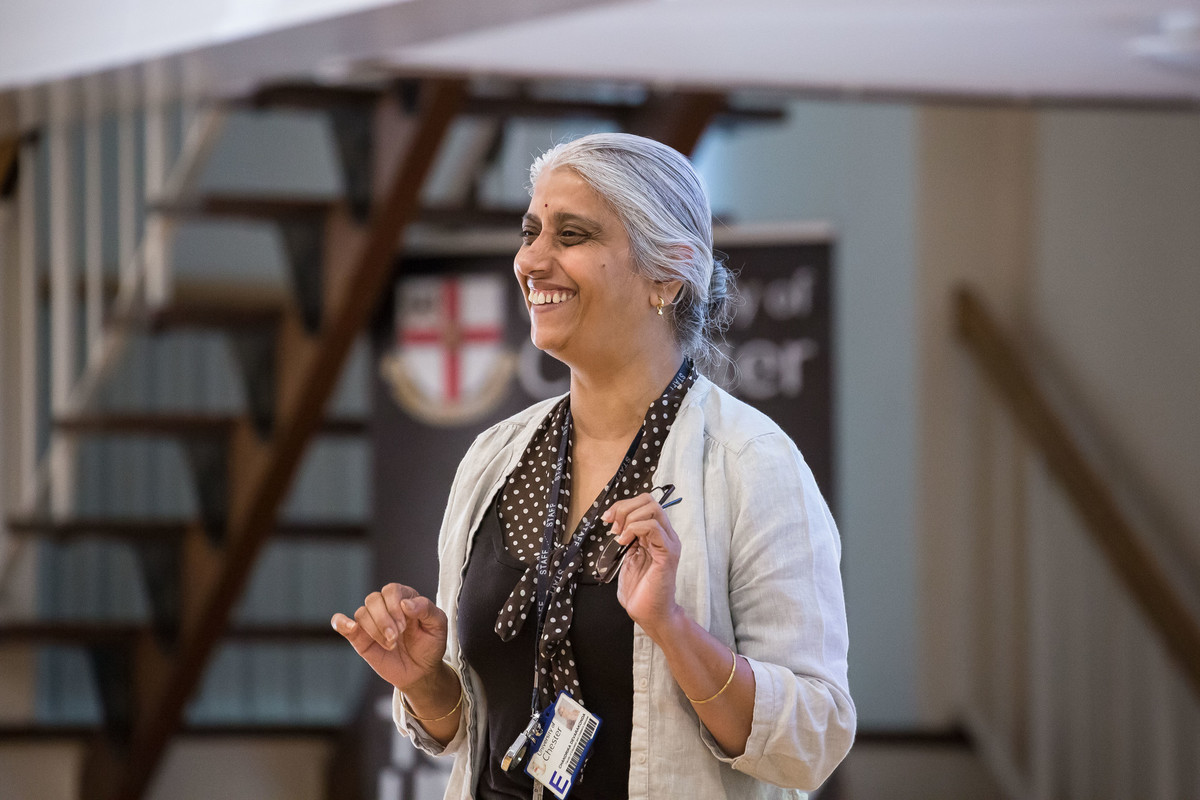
x=1130, y=559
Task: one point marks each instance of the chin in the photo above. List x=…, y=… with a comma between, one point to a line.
x=549, y=345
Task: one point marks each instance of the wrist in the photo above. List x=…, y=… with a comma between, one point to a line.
x=670, y=628
x=440, y=686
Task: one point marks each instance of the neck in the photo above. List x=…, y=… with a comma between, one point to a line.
x=610, y=403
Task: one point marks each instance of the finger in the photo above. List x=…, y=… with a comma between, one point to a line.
x=645, y=511
x=394, y=594
x=652, y=538
x=384, y=621
x=648, y=533
x=651, y=513
x=424, y=613
x=364, y=620
x=619, y=511
x=353, y=633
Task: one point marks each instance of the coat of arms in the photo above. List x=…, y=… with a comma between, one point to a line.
x=449, y=364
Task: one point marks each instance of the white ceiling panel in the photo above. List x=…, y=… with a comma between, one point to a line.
x=1058, y=49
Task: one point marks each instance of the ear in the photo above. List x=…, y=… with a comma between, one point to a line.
x=668, y=290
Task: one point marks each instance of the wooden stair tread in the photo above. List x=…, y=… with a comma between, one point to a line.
x=258, y=207
x=229, y=313
x=152, y=529
x=26, y=732
x=81, y=633
x=182, y=424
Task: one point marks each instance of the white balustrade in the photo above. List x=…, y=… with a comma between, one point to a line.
x=71, y=118
x=1071, y=692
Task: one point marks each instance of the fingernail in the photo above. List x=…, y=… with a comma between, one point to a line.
x=390, y=634
x=607, y=515
x=334, y=623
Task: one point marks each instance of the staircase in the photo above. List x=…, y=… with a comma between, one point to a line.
x=289, y=351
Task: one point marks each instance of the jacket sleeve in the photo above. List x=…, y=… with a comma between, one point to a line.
x=788, y=615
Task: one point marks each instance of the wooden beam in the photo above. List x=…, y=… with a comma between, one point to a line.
x=513, y=105
x=358, y=265
x=1128, y=557
x=677, y=119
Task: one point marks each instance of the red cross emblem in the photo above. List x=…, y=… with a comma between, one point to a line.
x=449, y=353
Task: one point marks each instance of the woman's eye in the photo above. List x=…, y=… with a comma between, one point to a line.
x=570, y=235
x=528, y=235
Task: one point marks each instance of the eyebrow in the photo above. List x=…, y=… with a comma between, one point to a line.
x=562, y=218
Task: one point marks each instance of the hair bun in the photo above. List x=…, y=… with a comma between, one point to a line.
x=722, y=298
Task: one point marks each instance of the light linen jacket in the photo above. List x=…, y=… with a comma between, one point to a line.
x=758, y=568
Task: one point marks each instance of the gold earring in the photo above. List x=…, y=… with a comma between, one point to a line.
x=661, y=303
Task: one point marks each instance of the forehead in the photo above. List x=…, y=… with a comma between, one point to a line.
x=564, y=189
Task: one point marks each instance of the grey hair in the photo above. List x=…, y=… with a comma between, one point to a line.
x=661, y=201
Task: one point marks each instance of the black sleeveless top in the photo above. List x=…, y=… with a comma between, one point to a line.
x=603, y=652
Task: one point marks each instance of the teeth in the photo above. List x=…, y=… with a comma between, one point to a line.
x=543, y=298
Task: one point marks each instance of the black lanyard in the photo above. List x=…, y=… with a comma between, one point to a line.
x=551, y=535
x=585, y=526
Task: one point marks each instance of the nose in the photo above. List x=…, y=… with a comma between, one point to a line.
x=532, y=260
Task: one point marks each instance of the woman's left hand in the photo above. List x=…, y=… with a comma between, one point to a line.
x=646, y=584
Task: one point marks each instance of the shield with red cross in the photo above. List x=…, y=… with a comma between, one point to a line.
x=449, y=363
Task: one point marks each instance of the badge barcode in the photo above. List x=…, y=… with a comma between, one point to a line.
x=588, y=731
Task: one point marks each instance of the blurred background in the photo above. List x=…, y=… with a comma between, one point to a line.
x=256, y=300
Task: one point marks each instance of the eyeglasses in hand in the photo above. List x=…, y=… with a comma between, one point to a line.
x=612, y=553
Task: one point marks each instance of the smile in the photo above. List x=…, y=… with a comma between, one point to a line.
x=548, y=298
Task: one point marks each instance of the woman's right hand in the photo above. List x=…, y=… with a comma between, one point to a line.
x=401, y=634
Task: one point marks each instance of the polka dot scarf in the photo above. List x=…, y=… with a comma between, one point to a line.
x=522, y=510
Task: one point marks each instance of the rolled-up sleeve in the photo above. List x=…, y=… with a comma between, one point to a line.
x=789, y=617
x=411, y=728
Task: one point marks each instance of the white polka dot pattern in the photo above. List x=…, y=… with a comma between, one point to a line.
x=523, y=502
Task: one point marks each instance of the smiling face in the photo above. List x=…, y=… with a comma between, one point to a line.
x=587, y=306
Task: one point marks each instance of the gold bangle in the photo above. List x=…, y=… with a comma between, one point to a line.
x=409, y=711
x=720, y=691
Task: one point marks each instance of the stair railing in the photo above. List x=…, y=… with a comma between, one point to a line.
x=1083, y=670
x=67, y=118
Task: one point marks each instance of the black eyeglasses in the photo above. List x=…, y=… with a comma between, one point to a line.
x=612, y=554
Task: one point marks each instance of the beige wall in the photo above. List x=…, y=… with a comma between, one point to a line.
x=974, y=227
x=40, y=771
x=234, y=769
x=1081, y=229
x=246, y=769
x=1117, y=298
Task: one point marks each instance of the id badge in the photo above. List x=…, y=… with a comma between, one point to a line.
x=564, y=745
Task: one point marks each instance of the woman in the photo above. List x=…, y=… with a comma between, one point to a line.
x=716, y=661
